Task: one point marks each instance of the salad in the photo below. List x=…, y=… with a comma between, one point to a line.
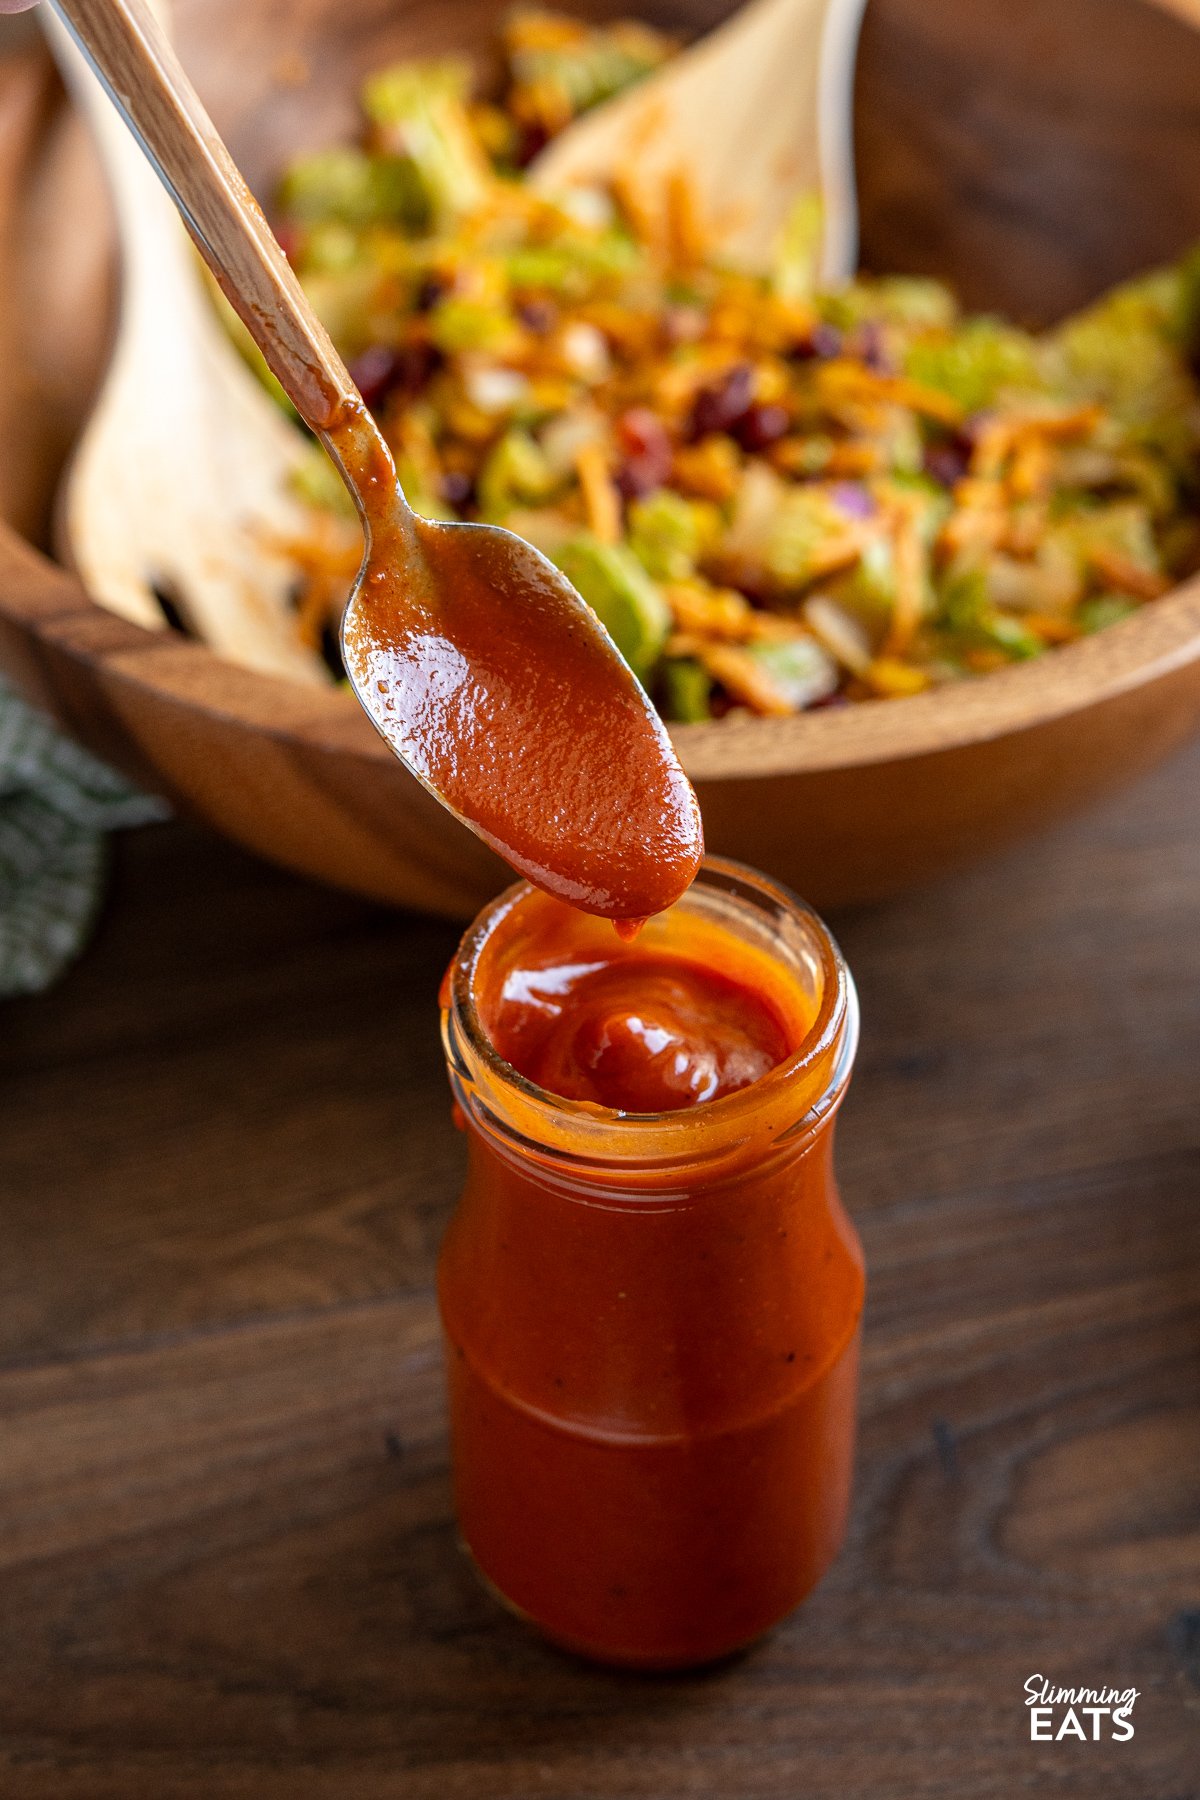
x=776, y=498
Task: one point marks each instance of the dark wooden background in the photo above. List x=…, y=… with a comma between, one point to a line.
x=227, y=1561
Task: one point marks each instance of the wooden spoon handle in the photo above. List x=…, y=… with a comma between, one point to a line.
x=137, y=65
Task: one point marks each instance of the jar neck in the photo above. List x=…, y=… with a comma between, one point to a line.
x=612, y=1158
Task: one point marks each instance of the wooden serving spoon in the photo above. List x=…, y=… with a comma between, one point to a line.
x=181, y=482
x=757, y=114
x=485, y=671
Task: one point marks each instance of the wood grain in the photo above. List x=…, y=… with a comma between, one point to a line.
x=1032, y=151
x=227, y=1560
x=1033, y=154
x=55, y=300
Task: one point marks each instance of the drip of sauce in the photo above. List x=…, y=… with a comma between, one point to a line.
x=636, y=1027
x=497, y=686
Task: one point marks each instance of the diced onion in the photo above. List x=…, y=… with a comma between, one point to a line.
x=494, y=390
x=840, y=632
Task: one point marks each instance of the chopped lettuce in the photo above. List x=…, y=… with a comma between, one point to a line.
x=332, y=247
x=966, y=612
x=668, y=534
x=1104, y=610
x=618, y=589
x=800, y=667
x=911, y=301
x=870, y=586
x=916, y=301
x=784, y=530
x=457, y=325
x=516, y=473
x=976, y=364
x=580, y=67
x=1187, y=310
x=421, y=497
x=1121, y=354
x=687, y=690
x=1121, y=527
x=904, y=444
x=571, y=265
x=419, y=114
x=350, y=187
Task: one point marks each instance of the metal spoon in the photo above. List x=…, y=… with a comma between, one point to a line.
x=488, y=675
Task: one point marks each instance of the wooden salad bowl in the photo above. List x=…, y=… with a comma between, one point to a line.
x=1031, y=154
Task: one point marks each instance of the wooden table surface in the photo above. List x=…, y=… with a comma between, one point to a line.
x=227, y=1559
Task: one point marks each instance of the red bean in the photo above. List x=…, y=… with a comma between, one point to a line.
x=385, y=369
x=376, y=372
x=538, y=314
x=822, y=341
x=720, y=405
x=949, y=460
x=457, y=488
x=646, y=452
x=762, y=425
x=870, y=347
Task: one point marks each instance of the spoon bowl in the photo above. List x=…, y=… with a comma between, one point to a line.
x=557, y=760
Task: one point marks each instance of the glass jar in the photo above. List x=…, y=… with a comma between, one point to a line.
x=652, y=1320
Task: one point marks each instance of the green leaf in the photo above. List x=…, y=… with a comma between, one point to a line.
x=687, y=691
x=1104, y=610
x=667, y=533
x=976, y=364
x=420, y=115
x=351, y=187
x=800, y=667
x=628, y=604
x=516, y=473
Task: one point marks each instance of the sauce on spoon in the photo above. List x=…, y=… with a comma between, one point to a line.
x=501, y=691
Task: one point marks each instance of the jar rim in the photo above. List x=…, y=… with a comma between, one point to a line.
x=831, y=1037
